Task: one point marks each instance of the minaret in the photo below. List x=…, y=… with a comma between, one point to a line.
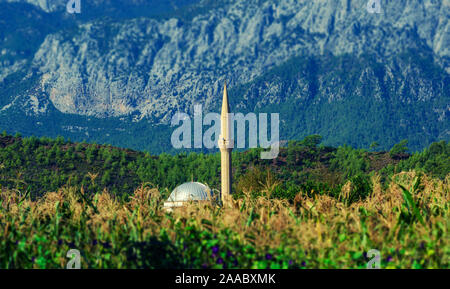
x=226, y=146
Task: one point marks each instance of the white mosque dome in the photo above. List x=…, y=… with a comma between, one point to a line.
x=187, y=192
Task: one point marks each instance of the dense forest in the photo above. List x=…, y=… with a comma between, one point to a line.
x=38, y=165
x=349, y=111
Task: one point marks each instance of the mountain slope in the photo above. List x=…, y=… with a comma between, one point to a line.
x=142, y=68
x=355, y=100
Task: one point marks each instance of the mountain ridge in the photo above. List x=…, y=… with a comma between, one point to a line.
x=147, y=69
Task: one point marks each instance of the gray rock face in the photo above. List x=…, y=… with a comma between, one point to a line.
x=152, y=68
x=46, y=5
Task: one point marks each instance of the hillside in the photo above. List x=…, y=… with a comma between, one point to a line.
x=43, y=165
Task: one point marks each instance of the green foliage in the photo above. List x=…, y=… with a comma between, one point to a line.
x=260, y=233
x=361, y=186
x=413, y=212
x=311, y=141
x=435, y=160
x=374, y=145
x=46, y=165
x=399, y=148
x=351, y=161
x=303, y=174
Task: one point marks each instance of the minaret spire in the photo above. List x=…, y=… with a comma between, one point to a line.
x=226, y=146
x=224, y=115
x=225, y=104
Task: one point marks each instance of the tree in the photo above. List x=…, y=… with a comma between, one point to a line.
x=399, y=149
x=106, y=178
x=374, y=145
x=312, y=140
x=60, y=140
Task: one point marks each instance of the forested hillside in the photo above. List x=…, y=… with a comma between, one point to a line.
x=37, y=165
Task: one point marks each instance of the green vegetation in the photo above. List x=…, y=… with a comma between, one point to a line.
x=399, y=149
x=434, y=160
x=327, y=95
x=312, y=207
x=406, y=223
x=42, y=165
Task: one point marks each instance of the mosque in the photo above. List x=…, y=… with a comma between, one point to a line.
x=198, y=192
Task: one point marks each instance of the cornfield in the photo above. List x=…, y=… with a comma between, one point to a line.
x=406, y=221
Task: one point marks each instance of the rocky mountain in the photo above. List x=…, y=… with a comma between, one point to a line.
x=141, y=61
